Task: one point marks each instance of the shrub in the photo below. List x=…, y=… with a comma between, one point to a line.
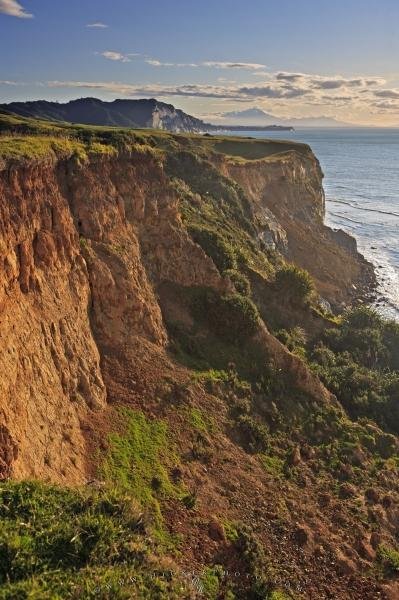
x=260, y=573
x=389, y=558
x=359, y=363
x=255, y=435
x=189, y=501
x=232, y=317
x=295, y=340
x=240, y=282
x=362, y=317
x=214, y=246
x=210, y=582
x=294, y=283
x=362, y=334
x=390, y=336
x=239, y=406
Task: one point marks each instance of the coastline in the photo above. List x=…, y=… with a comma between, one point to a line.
x=361, y=202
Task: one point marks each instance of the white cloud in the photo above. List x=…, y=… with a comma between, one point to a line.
x=158, y=63
x=116, y=56
x=233, y=65
x=14, y=9
x=209, y=64
x=97, y=25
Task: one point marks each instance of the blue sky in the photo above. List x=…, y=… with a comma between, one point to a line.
x=291, y=58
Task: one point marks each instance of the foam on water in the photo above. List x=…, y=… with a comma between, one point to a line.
x=361, y=168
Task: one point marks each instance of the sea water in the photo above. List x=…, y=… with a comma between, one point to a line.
x=361, y=181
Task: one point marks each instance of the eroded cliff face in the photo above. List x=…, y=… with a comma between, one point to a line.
x=85, y=249
x=49, y=360
x=73, y=280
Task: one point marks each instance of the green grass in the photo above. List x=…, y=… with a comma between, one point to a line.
x=137, y=460
x=210, y=583
x=256, y=149
x=62, y=543
x=273, y=465
x=199, y=421
x=216, y=214
x=39, y=147
x=389, y=559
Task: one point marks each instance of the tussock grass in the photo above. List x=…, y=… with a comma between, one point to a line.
x=62, y=543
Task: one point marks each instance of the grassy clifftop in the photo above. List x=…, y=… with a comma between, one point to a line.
x=22, y=137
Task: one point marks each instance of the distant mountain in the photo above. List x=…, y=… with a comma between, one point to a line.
x=257, y=116
x=119, y=113
x=253, y=116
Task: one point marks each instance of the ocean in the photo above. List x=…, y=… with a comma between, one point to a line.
x=361, y=181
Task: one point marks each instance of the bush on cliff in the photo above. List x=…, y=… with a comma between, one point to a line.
x=372, y=341
x=389, y=560
x=232, y=317
x=358, y=362
x=240, y=281
x=294, y=284
x=254, y=434
x=214, y=246
x=295, y=339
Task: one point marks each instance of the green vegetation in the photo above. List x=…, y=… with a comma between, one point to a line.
x=231, y=531
x=273, y=465
x=278, y=595
x=61, y=543
x=210, y=582
x=137, y=463
x=200, y=421
x=222, y=332
x=39, y=147
x=240, y=281
x=215, y=246
x=232, y=317
x=255, y=149
x=294, y=284
x=254, y=434
x=260, y=573
x=389, y=559
x=295, y=339
x=217, y=214
x=83, y=243
x=358, y=361
x=17, y=140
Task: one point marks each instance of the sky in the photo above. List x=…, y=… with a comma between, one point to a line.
x=291, y=58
